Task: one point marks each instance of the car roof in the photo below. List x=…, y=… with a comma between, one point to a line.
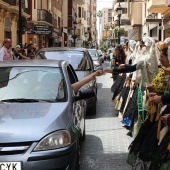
x=28, y=63
x=63, y=49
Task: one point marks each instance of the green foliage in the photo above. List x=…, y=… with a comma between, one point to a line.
x=106, y=27
x=74, y=36
x=86, y=44
x=99, y=14
x=112, y=39
x=104, y=38
x=104, y=47
x=117, y=29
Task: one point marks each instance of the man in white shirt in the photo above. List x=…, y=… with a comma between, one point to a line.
x=5, y=52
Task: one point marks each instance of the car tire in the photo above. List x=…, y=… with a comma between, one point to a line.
x=76, y=164
x=78, y=156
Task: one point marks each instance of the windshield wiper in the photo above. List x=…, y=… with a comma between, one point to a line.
x=23, y=100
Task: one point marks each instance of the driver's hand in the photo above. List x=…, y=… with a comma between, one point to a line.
x=99, y=73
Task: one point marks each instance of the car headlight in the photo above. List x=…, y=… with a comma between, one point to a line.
x=55, y=140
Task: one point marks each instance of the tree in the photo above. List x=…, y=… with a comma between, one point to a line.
x=99, y=14
x=104, y=47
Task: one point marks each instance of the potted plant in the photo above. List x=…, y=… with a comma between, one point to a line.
x=117, y=29
x=74, y=36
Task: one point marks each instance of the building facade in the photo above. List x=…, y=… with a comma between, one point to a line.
x=149, y=18
x=125, y=22
x=47, y=23
x=44, y=25
x=9, y=16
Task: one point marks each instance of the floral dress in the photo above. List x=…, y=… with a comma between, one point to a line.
x=157, y=82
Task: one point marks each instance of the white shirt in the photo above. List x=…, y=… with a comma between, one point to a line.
x=2, y=53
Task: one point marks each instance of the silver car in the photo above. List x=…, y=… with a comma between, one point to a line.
x=82, y=63
x=41, y=119
x=95, y=57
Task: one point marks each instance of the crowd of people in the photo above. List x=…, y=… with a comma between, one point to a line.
x=18, y=53
x=141, y=93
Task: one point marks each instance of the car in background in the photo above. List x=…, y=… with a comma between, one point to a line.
x=95, y=57
x=82, y=63
x=101, y=55
x=42, y=120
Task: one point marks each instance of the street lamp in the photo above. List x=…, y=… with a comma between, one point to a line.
x=20, y=23
x=119, y=13
x=85, y=43
x=74, y=35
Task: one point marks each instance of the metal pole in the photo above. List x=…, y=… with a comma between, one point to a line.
x=119, y=31
x=74, y=37
x=20, y=23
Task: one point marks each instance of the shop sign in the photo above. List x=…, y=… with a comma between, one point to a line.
x=65, y=30
x=42, y=29
x=122, y=40
x=30, y=27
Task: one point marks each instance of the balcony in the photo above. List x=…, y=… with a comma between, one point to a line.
x=79, y=2
x=11, y=2
x=155, y=6
x=13, y=6
x=43, y=15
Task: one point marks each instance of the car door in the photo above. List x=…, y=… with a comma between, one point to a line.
x=79, y=107
x=93, y=83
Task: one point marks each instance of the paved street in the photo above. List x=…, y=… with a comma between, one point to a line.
x=106, y=144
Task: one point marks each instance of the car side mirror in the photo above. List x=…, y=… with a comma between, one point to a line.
x=85, y=94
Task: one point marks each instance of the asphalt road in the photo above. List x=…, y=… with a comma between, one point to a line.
x=106, y=144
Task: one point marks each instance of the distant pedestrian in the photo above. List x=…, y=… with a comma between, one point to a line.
x=5, y=51
x=30, y=51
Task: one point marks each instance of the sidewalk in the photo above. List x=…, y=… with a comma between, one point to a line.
x=106, y=144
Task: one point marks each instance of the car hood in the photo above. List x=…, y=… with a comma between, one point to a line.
x=31, y=121
x=82, y=74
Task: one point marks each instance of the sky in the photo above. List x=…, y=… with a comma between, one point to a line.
x=100, y=5
x=104, y=4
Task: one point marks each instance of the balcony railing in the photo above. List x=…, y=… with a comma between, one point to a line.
x=43, y=15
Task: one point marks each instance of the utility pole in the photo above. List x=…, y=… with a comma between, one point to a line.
x=20, y=23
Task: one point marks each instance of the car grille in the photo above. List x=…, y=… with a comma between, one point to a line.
x=14, y=148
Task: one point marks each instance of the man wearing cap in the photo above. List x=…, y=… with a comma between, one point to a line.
x=5, y=52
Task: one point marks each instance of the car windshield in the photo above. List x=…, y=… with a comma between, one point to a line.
x=76, y=58
x=99, y=52
x=36, y=83
x=93, y=53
